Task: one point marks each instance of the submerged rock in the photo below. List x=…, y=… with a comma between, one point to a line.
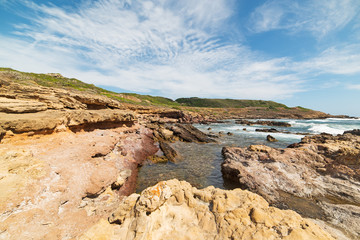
x=175, y=210
x=271, y=138
x=318, y=177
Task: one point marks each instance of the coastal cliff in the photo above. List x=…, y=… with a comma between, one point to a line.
x=69, y=154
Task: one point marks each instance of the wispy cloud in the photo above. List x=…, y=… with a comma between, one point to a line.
x=335, y=60
x=171, y=48
x=318, y=17
x=353, y=86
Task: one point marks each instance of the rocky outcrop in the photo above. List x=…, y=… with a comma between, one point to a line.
x=260, y=122
x=56, y=186
x=318, y=177
x=189, y=133
x=21, y=98
x=8, y=105
x=354, y=132
x=75, y=119
x=175, y=210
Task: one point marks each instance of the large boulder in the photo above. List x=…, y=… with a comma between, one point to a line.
x=175, y=210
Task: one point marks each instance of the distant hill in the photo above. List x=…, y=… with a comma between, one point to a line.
x=227, y=103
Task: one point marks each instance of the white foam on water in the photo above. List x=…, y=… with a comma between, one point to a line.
x=324, y=128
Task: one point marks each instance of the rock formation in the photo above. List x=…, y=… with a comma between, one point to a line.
x=271, y=138
x=55, y=186
x=260, y=122
x=318, y=177
x=189, y=133
x=175, y=210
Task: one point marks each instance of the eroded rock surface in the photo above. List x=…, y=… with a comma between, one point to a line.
x=175, y=210
x=57, y=186
x=319, y=177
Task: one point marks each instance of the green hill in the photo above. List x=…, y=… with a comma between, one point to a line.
x=228, y=103
x=56, y=80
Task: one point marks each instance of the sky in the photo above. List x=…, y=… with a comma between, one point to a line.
x=297, y=52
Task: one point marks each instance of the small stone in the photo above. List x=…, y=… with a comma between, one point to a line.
x=271, y=138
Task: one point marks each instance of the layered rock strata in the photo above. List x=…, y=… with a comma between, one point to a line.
x=175, y=210
x=318, y=177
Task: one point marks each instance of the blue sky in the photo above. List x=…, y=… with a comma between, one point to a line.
x=297, y=52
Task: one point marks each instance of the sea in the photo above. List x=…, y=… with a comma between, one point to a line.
x=200, y=163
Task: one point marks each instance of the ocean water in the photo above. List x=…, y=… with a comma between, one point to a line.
x=200, y=164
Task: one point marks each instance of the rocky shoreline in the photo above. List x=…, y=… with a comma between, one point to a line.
x=69, y=159
x=318, y=177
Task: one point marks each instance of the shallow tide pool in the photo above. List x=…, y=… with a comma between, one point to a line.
x=200, y=164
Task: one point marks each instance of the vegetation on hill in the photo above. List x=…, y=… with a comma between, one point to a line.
x=228, y=103
x=56, y=80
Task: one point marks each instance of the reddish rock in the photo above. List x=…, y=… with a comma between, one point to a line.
x=318, y=177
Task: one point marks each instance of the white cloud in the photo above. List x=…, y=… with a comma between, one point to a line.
x=168, y=47
x=344, y=60
x=353, y=86
x=319, y=17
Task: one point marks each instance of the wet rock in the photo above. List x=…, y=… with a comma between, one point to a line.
x=175, y=210
x=170, y=153
x=260, y=122
x=306, y=177
x=272, y=130
x=229, y=134
x=354, y=132
x=189, y=133
x=271, y=138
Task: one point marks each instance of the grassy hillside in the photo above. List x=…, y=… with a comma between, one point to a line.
x=228, y=103
x=59, y=81
x=56, y=80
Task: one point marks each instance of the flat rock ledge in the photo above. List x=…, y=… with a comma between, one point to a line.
x=175, y=210
x=318, y=177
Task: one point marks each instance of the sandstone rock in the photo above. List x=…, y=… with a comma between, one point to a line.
x=170, y=153
x=21, y=106
x=17, y=97
x=189, y=133
x=175, y=210
x=49, y=120
x=121, y=179
x=307, y=177
x=57, y=186
x=166, y=134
